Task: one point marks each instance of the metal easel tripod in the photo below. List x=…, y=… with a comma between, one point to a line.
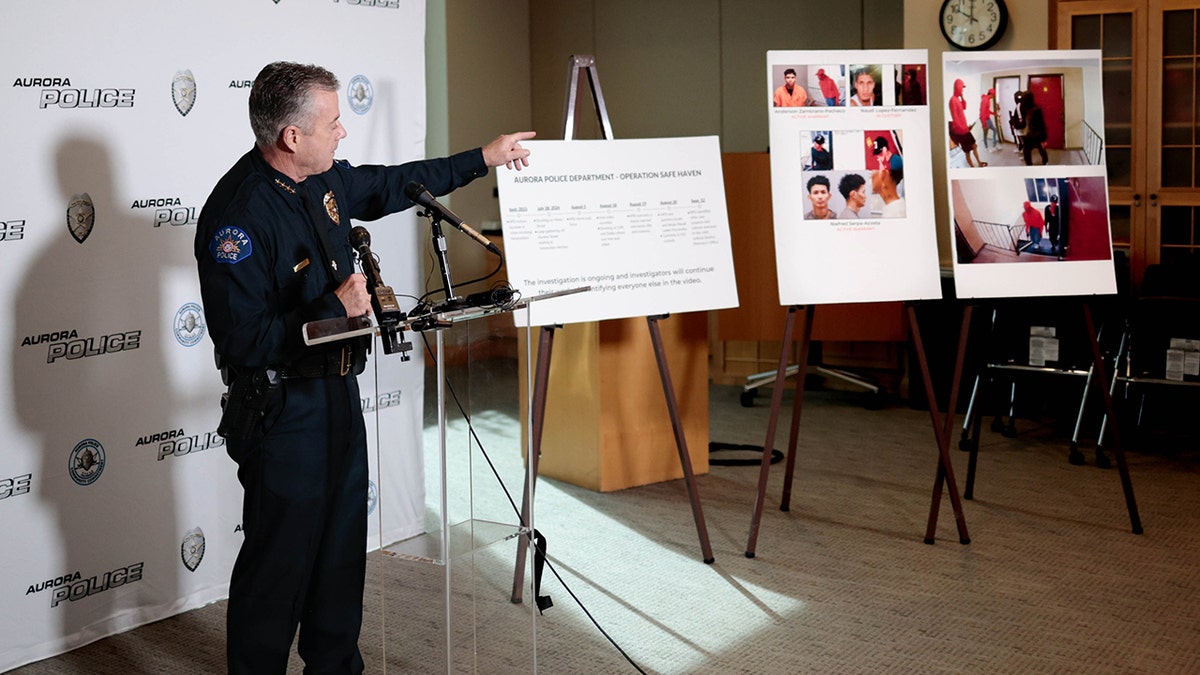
x=579, y=64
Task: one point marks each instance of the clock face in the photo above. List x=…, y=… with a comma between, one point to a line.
x=973, y=24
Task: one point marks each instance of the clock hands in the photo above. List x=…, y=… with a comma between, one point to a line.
x=970, y=15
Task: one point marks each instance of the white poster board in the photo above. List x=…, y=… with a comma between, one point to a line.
x=1028, y=219
x=851, y=176
x=640, y=221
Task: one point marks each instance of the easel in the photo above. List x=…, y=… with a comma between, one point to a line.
x=580, y=63
x=1101, y=379
x=941, y=426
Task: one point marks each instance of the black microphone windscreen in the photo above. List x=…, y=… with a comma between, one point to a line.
x=359, y=237
x=415, y=192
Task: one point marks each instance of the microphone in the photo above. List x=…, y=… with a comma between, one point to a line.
x=383, y=299
x=360, y=241
x=421, y=197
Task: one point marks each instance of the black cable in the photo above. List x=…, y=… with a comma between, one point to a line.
x=753, y=454
x=485, y=277
x=524, y=525
x=489, y=275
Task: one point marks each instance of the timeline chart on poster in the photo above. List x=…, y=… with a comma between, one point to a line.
x=852, y=176
x=642, y=222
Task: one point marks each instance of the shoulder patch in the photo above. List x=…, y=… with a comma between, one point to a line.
x=230, y=245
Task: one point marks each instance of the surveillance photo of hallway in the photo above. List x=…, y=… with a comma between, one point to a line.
x=1043, y=111
x=1031, y=220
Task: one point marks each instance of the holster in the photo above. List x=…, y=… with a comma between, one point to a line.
x=244, y=403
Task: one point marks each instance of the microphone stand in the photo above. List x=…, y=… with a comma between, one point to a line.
x=439, y=248
x=439, y=251
x=451, y=301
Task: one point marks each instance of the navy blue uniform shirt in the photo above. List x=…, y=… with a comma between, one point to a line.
x=263, y=269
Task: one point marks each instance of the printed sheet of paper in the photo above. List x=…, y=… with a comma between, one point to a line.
x=641, y=221
x=851, y=176
x=1028, y=184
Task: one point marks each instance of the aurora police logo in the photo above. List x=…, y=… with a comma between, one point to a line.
x=183, y=91
x=81, y=216
x=86, y=462
x=372, y=497
x=359, y=94
x=230, y=245
x=189, y=325
x=192, y=549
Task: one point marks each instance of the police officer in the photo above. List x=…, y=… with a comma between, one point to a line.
x=272, y=254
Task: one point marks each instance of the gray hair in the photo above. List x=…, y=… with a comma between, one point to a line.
x=282, y=97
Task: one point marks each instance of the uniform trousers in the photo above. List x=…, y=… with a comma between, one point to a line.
x=303, y=561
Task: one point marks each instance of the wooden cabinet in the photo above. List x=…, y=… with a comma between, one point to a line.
x=1150, y=53
x=607, y=424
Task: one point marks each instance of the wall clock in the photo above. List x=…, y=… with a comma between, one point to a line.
x=973, y=24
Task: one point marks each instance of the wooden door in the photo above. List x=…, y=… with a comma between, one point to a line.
x=1006, y=87
x=1173, y=177
x=1149, y=50
x=1118, y=28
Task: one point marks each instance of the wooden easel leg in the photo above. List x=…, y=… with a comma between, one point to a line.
x=785, y=503
x=942, y=427
x=935, y=503
x=1135, y=521
x=538, y=411
x=685, y=459
x=776, y=400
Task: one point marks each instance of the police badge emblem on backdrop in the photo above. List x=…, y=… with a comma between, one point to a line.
x=192, y=549
x=81, y=216
x=183, y=91
x=86, y=462
x=360, y=94
x=189, y=325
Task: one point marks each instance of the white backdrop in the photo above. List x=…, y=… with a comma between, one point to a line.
x=118, y=503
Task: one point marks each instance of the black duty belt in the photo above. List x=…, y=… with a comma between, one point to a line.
x=326, y=363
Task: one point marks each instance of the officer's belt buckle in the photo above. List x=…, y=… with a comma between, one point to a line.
x=347, y=360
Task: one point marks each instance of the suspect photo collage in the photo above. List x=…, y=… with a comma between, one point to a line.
x=852, y=174
x=849, y=145
x=849, y=85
